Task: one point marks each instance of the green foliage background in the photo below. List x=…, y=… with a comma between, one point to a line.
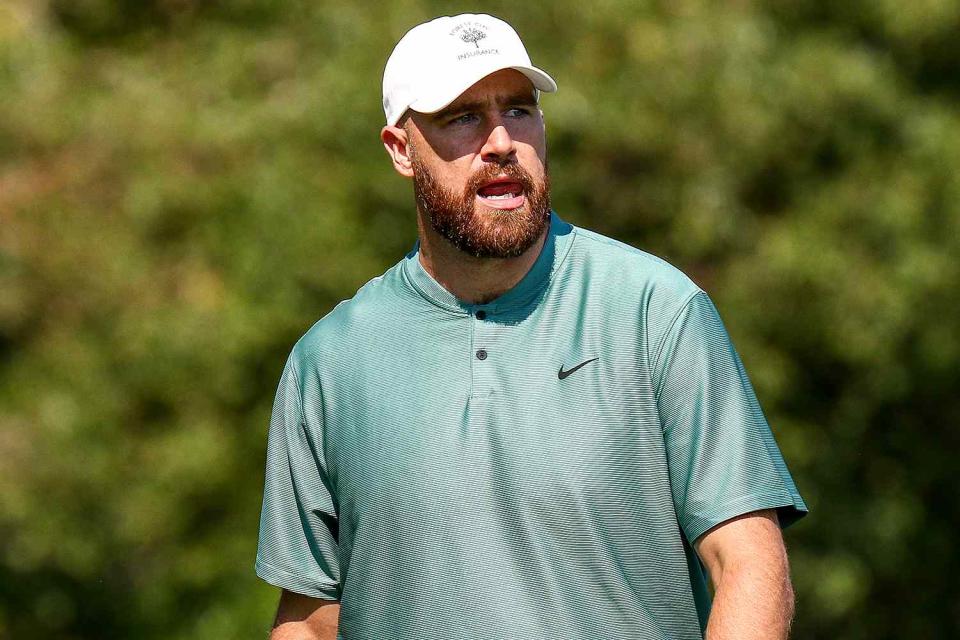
x=187, y=185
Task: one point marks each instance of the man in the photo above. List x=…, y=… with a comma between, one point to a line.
x=522, y=430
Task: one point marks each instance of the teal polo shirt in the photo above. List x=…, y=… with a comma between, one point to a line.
x=534, y=468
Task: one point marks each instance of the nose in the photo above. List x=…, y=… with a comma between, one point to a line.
x=499, y=146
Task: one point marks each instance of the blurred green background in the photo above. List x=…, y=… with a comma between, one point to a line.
x=187, y=185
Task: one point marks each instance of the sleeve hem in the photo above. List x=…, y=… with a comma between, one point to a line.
x=297, y=583
x=789, y=510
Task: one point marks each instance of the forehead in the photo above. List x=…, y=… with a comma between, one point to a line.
x=504, y=86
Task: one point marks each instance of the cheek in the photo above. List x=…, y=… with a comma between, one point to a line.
x=534, y=156
x=452, y=179
x=536, y=163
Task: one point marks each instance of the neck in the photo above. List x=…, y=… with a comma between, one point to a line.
x=473, y=280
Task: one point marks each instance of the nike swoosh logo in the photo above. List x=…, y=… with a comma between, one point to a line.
x=563, y=374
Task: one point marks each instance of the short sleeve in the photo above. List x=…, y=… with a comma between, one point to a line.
x=722, y=457
x=297, y=549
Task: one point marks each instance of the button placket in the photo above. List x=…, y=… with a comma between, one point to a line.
x=484, y=353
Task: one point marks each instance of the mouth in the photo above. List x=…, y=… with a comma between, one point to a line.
x=502, y=193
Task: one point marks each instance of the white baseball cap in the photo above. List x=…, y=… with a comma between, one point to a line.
x=438, y=60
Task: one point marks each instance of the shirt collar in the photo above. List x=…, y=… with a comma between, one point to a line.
x=528, y=290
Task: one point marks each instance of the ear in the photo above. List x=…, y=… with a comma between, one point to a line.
x=395, y=142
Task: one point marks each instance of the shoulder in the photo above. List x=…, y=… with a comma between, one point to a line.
x=627, y=270
x=345, y=327
x=632, y=287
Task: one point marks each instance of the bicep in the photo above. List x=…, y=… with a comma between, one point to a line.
x=750, y=539
x=298, y=613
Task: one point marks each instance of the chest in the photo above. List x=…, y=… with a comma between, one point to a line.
x=481, y=411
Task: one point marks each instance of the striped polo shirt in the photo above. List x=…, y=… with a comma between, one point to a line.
x=533, y=468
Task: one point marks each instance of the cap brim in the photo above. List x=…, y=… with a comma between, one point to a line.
x=431, y=104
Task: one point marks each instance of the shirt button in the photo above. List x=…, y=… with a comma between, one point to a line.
x=481, y=354
x=481, y=314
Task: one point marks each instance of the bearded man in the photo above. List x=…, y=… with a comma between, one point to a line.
x=523, y=430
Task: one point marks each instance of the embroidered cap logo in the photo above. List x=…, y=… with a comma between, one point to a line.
x=471, y=34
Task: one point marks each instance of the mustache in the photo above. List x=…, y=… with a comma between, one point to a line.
x=493, y=171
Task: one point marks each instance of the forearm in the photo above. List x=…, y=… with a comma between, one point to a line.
x=752, y=602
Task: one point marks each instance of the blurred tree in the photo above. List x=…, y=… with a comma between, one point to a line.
x=186, y=186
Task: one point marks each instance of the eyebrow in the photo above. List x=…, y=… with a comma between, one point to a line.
x=523, y=99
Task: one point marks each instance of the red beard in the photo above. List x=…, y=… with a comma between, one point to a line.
x=484, y=234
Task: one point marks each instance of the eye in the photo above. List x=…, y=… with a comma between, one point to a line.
x=517, y=112
x=463, y=118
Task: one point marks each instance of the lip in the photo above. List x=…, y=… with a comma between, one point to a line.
x=507, y=203
x=500, y=180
